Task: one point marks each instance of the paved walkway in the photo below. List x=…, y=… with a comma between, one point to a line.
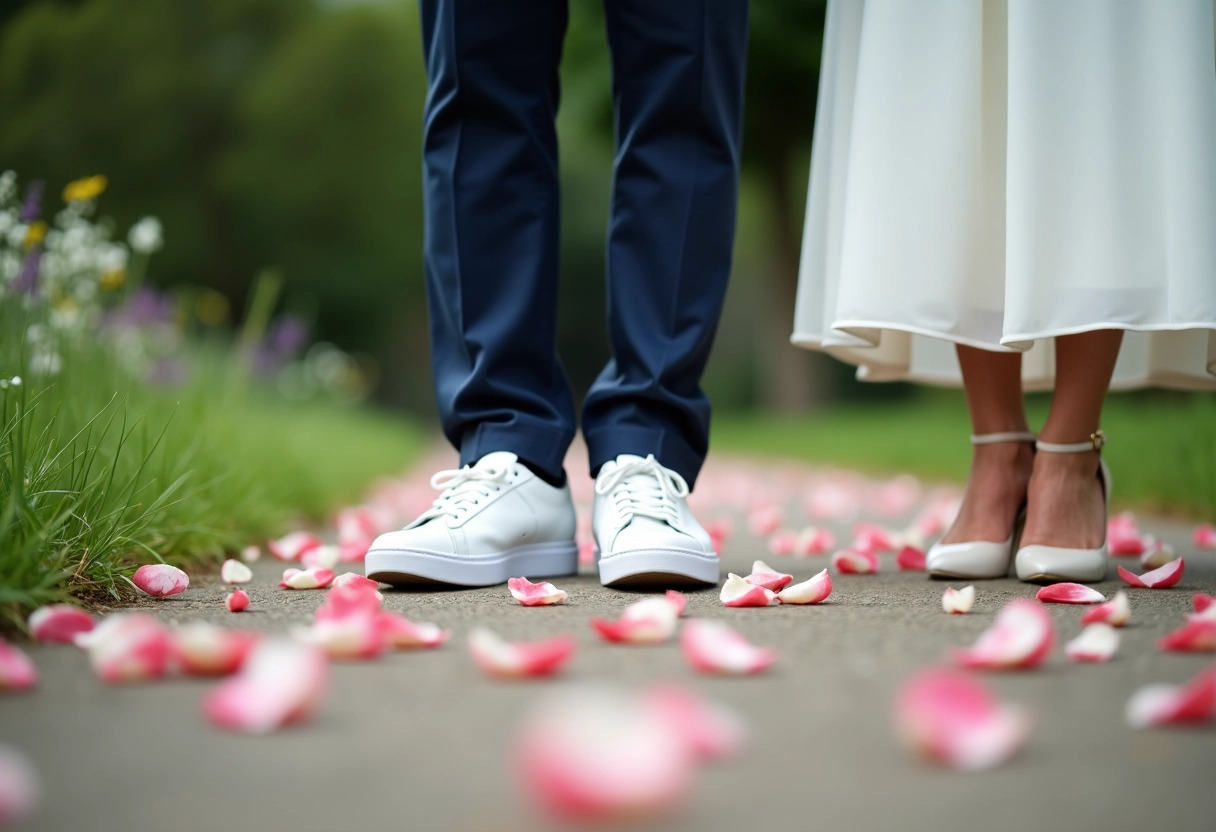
x=419, y=740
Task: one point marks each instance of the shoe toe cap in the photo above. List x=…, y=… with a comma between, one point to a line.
x=1051, y=563
x=978, y=559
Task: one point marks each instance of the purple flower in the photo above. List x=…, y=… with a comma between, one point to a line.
x=27, y=280
x=167, y=372
x=145, y=307
x=286, y=338
x=33, y=201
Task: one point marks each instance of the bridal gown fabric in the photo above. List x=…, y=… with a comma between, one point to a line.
x=996, y=174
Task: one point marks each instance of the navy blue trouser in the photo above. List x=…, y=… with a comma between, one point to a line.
x=492, y=225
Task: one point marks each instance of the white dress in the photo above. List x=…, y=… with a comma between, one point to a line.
x=997, y=173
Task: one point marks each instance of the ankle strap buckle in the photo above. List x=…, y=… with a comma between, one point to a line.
x=1099, y=440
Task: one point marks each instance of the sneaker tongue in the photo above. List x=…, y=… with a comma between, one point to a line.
x=625, y=459
x=499, y=460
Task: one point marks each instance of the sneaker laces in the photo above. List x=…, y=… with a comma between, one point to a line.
x=643, y=488
x=464, y=488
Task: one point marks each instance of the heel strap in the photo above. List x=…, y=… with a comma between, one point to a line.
x=1097, y=440
x=1011, y=436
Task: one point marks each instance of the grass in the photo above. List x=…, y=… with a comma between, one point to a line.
x=1162, y=447
x=99, y=471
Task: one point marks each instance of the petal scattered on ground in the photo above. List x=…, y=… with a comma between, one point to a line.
x=764, y=575
x=1021, y=637
x=535, y=595
x=1197, y=635
x=17, y=672
x=855, y=562
x=737, y=592
x=1160, y=578
x=281, y=682
x=713, y=647
x=20, y=787
x=814, y=590
x=1194, y=702
x=1204, y=536
x=238, y=601
x=235, y=572
x=813, y=541
x=1069, y=593
x=401, y=633
x=1156, y=554
x=160, y=580
x=1096, y=643
x=1123, y=537
x=202, y=649
x=649, y=621
x=712, y=731
x=910, y=559
x=128, y=647
x=1115, y=612
x=293, y=545
x=316, y=577
x=514, y=660
x=59, y=623
x=958, y=601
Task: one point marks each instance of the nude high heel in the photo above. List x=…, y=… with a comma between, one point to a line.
x=975, y=559
x=1042, y=564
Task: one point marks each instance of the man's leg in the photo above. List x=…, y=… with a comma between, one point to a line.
x=678, y=69
x=492, y=216
x=490, y=151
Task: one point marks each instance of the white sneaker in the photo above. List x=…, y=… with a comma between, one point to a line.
x=643, y=529
x=494, y=520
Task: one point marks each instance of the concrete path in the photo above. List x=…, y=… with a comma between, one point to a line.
x=420, y=740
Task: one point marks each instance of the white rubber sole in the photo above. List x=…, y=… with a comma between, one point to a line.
x=676, y=567
x=406, y=567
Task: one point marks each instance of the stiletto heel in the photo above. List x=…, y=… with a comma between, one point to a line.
x=976, y=559
x=1041, y=564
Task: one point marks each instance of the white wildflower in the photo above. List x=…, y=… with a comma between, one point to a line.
x=8, y=219
x=16, y=235
x=146, y=236
x=8, y=185
x=112, y=258
x=44, y=363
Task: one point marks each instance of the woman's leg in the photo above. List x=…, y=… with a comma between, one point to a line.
x=996, y=488
x=1066, y=507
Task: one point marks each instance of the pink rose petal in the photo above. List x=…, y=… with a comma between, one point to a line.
x=160, y=580
x=529, y=594
x=507, y=660
x=281, y=682
x=677, y=600
x=600, y=755
x=649, y=621
x=1122, y=536
x=713, y=647
x=868, y=537
x=1202, y=602
x=1097, y=643
x=1204, y=536
x=781, y=544
x=17, y=672
x=235, y=572
x=855, y=562
x=1020, y=637
x=1068, y=593
x=764, y=575
x=737, y=592
x=238, y=601
x=1156, y=554
x=353, y=579
x=350, y=600
x=814, y=590
x=953, y=719
x=813, y=541
x=293, y=546
x=1194, y=702
x=314, y=578
x=401, y=633
x=250, y=554
x=1114, y=612
x=323, y=557
x=59, y=623
x=711, y=731
x=910, y=559
x=204, y=650
x=719, y=531
x=128, y=647
x=1198, y=635
x=764, y=520
x=1160, y=578
x=348, y=624
x=357, y=529
x=20, y=787
x=958, y=601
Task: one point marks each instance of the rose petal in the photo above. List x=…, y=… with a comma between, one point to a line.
x=1068, y=593
x=854, y=562
x=813, y=541
x=160, y=580
x=514, y=660
x=357, y=529
x=1097, y=643
x=314, y=578
x=128, y=647
x=403, y=634
x=20, y=787
x=59, y=623
x=910, y=559
x=1194, y=702
x=737, y=592
x=292, y=546
x=204, y=650
x=1160, y=578
x=814, y=590
x=354, y=579
x=781, y=544
x=953, y=719
x=764, y=520
x=1020, y=637
x=238, y=601
x=529, y=594
x=349, y=600
x=1204, y=536
x=1202, y=602
x=711, y=731
x=1114, y=612
x=1198, y=635
x=1122, y=536
x=868, y=537
x=1156, y=554
x=17, y=672
x=649, y=621
x=235, y=572
x=713, y=647
x=719, y=531
x=764, y=575
x=600, y=755
x=677, y=600
x=281, y=682
x=323, y=557
x=958, y=601
x=352, y=637
x=250, y=554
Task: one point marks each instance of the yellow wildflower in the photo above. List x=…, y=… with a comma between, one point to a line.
x=35, y=234
x=212, y=308
x=88, y=188
x=113, y=279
